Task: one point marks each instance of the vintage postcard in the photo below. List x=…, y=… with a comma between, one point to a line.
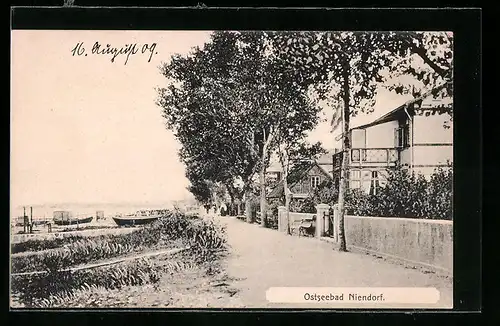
x=231, y=169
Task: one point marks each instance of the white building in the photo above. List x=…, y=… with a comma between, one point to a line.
x=417, y=135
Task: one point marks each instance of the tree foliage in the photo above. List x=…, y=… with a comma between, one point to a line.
x=201, y=106
x=228, y=103
x=246, y=94
x=350, y=66
x=319, y=58
x=425, y=56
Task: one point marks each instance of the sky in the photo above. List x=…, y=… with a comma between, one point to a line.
x=85, y=129
x=385, y=101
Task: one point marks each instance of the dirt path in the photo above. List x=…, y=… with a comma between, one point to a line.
x=263, y=258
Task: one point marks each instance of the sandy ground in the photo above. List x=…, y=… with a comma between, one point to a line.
x=262, y=258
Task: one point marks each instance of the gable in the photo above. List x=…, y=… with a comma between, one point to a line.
x=304, y=185
x=317, y=171
x=299, y=178
x=436, y=98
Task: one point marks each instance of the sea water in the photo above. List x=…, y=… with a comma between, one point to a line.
x=88, y=209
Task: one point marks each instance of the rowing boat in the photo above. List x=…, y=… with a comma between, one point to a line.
x=67, y=218
x=134, y=220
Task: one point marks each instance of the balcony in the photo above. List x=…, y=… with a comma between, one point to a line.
x=360, y=156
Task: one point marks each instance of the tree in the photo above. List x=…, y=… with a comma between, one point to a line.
x=281, y=109
x=227, y=102
x=201, y=191
x=426, y=56
x=205, y=187
x=292, y=150
x=201, y=106
x=352, y=63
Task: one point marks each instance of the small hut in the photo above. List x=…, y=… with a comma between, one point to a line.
x=63, y=216
x=99, y=215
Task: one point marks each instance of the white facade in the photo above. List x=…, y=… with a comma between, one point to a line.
x=416, y=136
x=433, y=141
x=382, y=135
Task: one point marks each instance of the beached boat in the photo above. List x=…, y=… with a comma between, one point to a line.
x=67, y=218
x=21, y=220
x=74, y=220
x=135, y=219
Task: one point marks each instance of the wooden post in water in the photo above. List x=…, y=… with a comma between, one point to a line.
x=31, y=219
x=24, y=219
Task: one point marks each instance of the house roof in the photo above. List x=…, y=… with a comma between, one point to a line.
x=393, y=114
x=297, y=172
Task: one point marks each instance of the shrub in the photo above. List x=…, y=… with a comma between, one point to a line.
x=272, y=213
x=406, y=195
x=88, y=250
x=325, y=193
x=80, y=252
x=441, y=195
x=272, y=207
x=37, y=245
x=204, y=237
x=44, y=289
x=306, y=206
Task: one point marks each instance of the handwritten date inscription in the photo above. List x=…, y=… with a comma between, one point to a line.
x=126, y=51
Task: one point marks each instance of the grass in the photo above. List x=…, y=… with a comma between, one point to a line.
x=191, y=287
x=205, y=239
x=38, y=245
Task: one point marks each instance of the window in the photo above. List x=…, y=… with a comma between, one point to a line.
x=375, y=183
x=366, y=178
x=402, y=136
x=355, y=179
x=363, y=155
x=315, y=181
x=355, y=155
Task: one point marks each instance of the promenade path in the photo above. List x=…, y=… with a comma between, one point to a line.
x=261, y=258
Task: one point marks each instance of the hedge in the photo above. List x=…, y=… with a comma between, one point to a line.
x=407, y=195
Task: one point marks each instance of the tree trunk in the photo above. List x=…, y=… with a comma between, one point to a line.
x=239, y=207
x=248, y=205
x=287, y=194
x=230, y=209
x=262, y=179
x=287, y=205
x=263, y=199
x=344, y=171
x=216, y=203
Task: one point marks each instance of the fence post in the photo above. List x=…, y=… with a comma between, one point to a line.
x=329, y=216
x=336, y=222
x=321, y=212
x=281, y=217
